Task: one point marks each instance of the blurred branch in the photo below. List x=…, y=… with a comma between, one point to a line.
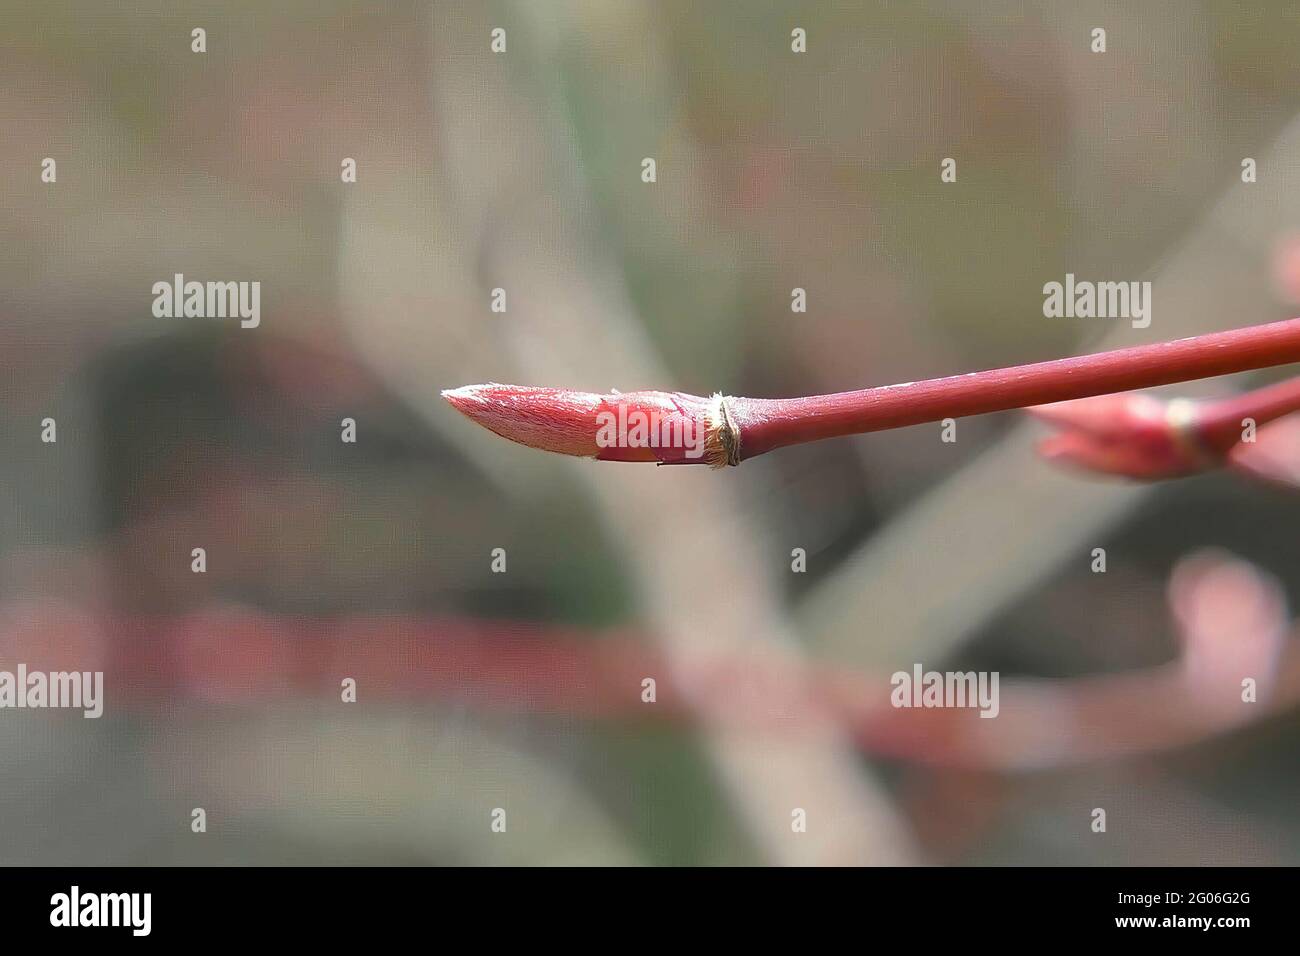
x=1231, y=616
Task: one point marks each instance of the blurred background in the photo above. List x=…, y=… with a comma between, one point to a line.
x=523, y=690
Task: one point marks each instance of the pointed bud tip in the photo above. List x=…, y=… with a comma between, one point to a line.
x=457, y=396
x=552, y=419
x=477, y=394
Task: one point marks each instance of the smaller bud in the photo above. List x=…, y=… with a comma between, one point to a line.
x=1129, y=434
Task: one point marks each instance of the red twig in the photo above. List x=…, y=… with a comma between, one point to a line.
x=731, y=429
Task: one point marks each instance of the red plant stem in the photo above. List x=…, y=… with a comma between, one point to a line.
x=766, y=424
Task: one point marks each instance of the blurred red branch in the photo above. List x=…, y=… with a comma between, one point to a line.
x=1230, y=615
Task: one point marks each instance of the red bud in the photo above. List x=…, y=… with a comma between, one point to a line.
x=670, y=428
x=1133, y=435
